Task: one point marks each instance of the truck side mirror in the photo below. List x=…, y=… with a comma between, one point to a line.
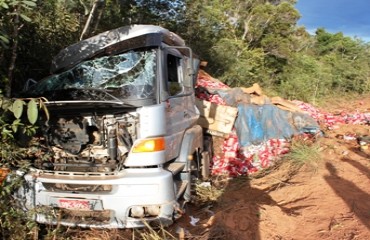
x=196, y=63
x=191, y=71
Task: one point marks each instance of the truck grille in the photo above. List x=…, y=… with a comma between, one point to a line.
x=59, y=187
x=59, y=174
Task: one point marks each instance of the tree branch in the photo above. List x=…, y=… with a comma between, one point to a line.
x=96, y=6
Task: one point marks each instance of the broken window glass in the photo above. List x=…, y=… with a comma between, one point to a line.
x=130, y=75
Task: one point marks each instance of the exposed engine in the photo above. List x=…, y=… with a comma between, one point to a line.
x=88, y=142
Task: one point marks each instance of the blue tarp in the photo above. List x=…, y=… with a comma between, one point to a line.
x=258, y=123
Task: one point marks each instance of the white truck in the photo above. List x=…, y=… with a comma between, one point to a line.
x=124, y=146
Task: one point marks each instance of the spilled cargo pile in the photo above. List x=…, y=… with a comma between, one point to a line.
x=263, y=126
x=332, y=121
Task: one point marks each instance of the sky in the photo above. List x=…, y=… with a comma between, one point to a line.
x=351, y=17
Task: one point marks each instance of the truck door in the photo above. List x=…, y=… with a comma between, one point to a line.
x=181, y=112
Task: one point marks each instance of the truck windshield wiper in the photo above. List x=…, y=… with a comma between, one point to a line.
x=105, y=91
x=81, y=94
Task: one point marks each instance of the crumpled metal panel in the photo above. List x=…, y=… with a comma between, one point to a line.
x=120, y=39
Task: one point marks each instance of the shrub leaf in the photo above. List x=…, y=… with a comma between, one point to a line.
x=32, y=111
x=17, y=108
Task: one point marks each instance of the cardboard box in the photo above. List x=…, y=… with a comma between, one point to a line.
x=218, y=119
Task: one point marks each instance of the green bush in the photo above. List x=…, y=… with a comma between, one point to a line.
x=18, y=117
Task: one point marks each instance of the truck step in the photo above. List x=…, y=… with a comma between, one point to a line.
x=175, y=167
x=181, y=187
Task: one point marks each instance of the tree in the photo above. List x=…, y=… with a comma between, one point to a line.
x=347, y=58
x=16, y=12
x=244, y=41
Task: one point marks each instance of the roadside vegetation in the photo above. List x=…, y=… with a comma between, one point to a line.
x=244, y=42
x=304, y=152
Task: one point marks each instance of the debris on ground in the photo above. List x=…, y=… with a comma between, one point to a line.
x=251, y=131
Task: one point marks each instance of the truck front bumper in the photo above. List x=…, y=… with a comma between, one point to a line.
x=102, y=201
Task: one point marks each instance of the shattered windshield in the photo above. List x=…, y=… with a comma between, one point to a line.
x=130, y=75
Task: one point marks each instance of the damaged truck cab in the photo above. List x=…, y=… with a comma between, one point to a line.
x=123, y=142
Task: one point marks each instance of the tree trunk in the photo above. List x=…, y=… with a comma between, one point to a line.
x=8, y=87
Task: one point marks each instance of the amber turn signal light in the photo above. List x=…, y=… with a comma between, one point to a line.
x=149, y=145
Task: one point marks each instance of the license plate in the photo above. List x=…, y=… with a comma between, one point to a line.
x=75, y=204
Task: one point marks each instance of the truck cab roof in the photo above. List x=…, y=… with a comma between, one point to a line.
x=113, y=42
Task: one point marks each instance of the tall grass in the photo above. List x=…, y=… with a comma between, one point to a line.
x=304, y=152
x=153, y=234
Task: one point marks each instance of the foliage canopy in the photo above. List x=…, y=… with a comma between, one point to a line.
x=243, y=41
